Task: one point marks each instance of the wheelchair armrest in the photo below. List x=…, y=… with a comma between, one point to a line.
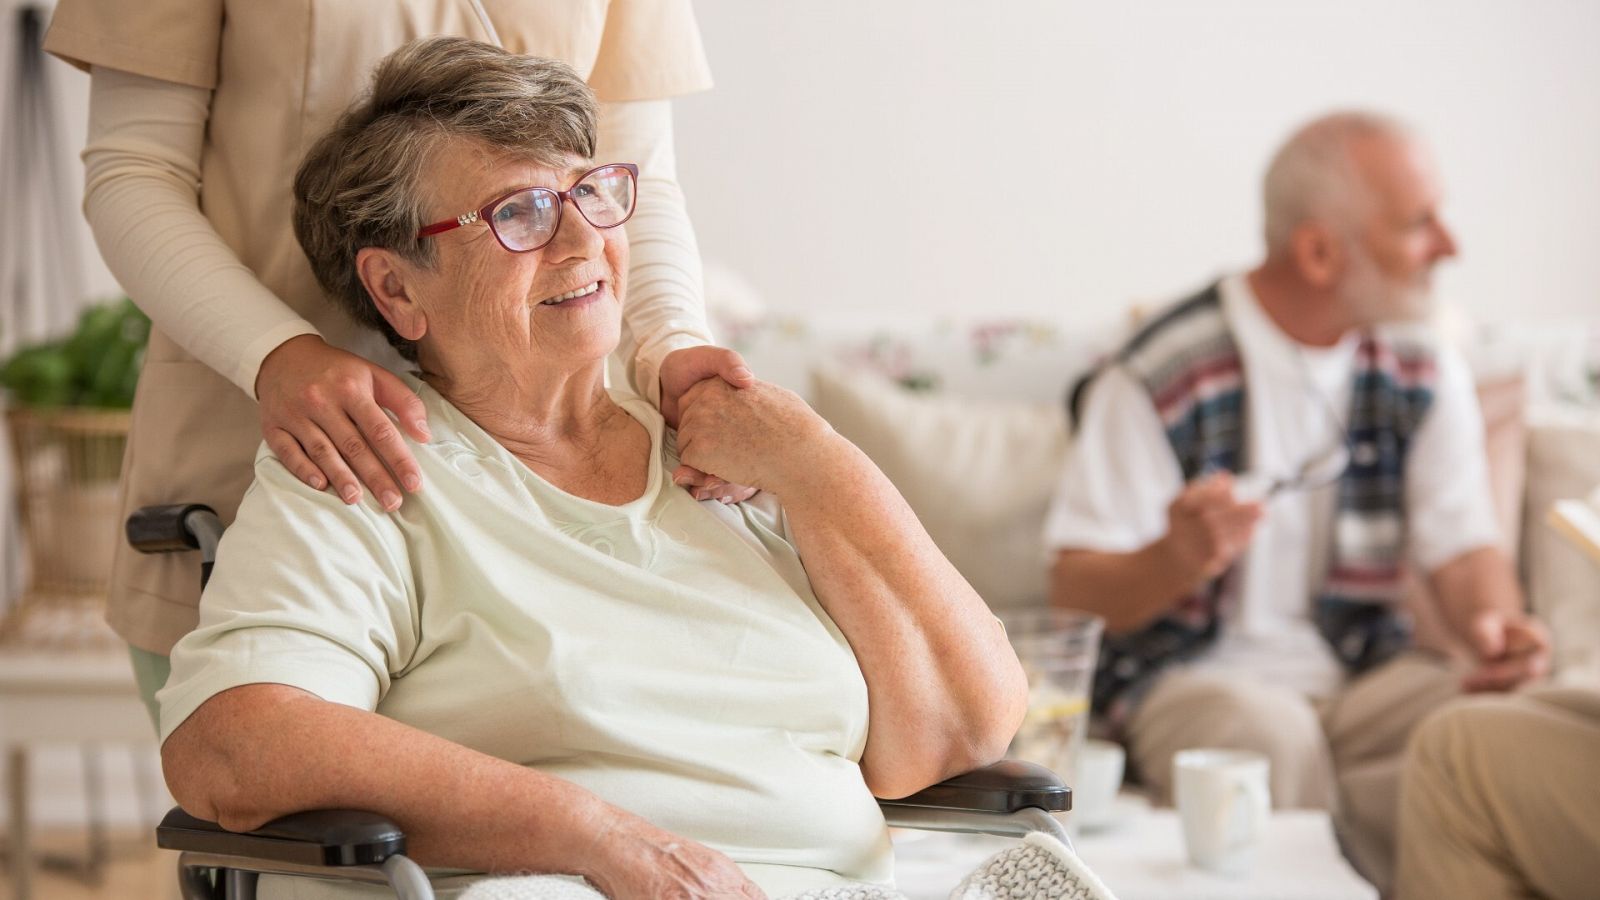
x=1005, y=787
x=327, y=837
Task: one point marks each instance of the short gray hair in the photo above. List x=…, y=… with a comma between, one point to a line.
x=1313, y=175
x=361, y=184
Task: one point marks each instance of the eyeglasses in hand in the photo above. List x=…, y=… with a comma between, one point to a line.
x=1318, y=471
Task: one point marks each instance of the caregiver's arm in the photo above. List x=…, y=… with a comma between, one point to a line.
x=253, y=753
x=321, y=407
x=664, y=312
x=142, y=202
x=945, y=690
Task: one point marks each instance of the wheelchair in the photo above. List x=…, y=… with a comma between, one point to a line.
x=1010, y=798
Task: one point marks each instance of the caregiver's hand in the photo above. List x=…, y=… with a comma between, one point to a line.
x=322, y=416
x=681, y=370
x=635, y=860
x=761, y=435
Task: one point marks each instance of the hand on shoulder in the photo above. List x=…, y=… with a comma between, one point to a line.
x=322, y=414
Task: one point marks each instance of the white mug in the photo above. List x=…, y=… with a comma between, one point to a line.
x=1094, y=789
x=1223, y=801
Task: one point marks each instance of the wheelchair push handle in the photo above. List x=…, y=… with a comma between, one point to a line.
x=175, y=528
x=165, y=529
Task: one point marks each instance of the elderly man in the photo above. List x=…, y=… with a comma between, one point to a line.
x=1254, y=470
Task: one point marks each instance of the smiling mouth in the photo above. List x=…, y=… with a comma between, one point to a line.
x=584, y=291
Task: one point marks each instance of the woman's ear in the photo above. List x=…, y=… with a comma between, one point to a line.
x=387, y=279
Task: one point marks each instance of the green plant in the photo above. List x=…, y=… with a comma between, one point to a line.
x=97, y=365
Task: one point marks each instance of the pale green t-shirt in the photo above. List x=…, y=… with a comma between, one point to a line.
x=666, y=654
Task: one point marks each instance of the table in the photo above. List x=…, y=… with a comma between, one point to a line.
x=1142, y=858
x=60, y=695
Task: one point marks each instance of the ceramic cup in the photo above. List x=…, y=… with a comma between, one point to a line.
x=1094, y=789
x=1223, y=801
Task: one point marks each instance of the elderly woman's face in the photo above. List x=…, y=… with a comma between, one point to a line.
x=560, y=304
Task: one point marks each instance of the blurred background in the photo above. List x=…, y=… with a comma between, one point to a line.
x=1063, y=156
x=879, y=168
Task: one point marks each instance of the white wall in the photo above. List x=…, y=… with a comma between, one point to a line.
x=1041, y=156
x=857, y=154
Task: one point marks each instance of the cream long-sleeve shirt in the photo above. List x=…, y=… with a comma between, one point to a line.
x=141, y=197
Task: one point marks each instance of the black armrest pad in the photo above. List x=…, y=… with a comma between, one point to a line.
x=161, y=529
x=328, y=837
x=1005, y=787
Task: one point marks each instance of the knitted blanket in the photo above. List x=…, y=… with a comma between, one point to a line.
x=1039, y=868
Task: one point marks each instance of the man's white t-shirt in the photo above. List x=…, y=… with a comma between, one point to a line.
x=667, y=655
x=1121, y=474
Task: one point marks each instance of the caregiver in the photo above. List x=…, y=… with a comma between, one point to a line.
x=199, y=112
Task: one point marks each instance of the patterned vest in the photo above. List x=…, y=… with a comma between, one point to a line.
x=1188, y=361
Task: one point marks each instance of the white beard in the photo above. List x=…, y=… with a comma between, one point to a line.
x=1375, y=299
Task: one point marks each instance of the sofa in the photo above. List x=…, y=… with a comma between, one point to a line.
x=967, y=417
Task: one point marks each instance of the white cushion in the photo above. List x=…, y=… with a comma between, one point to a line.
x=1032, y=361
x=978, y=474
x=1564, y=584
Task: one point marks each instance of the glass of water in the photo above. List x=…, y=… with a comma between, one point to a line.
x=1058, y=649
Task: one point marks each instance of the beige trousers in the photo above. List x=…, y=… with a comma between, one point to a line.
x=1342, y=754
x=1501, y=798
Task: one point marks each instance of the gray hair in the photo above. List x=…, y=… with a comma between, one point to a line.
x=1313, y=176
x=361, y=184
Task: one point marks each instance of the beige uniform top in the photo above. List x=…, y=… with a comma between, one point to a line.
x=281, y=73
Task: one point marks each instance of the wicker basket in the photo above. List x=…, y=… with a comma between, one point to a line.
x=68, y=466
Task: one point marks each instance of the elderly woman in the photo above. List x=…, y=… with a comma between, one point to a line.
x=554, y=660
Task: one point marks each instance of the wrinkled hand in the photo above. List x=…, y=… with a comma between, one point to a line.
x=635, y=860
x=682, y=370
x=1207, y=528
x=322, y=416
x=761, y=435
x=1512, y=648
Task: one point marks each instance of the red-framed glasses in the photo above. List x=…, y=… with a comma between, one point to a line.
x=527, y=218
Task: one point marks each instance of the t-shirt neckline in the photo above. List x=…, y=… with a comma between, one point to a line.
x=470, y=434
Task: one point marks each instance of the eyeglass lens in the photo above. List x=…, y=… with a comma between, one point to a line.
x=528, y=219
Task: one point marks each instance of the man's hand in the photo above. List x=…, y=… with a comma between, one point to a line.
x=1511, y=649
x=1207, y=528
x=322, y=415
x=634, y=860
x=682, y=370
